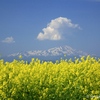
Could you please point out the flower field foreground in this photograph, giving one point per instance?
(64, 80)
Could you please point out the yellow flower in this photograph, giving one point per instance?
(44, 95)
(4, 83)
(20, 56)
(64, 55)
(10, 99)
(84, 99)
(40, 98)
(59, 94)
(47, 76)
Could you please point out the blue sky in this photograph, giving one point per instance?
(42, 24)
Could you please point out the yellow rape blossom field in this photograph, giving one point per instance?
(64, 80)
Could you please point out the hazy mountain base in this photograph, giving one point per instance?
(42, 58)
(51, 54)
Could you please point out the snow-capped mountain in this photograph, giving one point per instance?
(56, 51)
(51, 54)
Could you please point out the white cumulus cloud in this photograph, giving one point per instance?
(56, 28)
(8, 40)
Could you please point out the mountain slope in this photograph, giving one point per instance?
(51, 54)
(56, 51)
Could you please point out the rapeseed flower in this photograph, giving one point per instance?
(20, 57)
(46, 80)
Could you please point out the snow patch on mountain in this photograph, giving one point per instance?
(56, 51)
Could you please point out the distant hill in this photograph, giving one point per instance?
(52, 54)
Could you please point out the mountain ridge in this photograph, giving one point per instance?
(51, 54)
(56, 51)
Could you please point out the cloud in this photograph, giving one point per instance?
(8, 40)
(56, 28)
